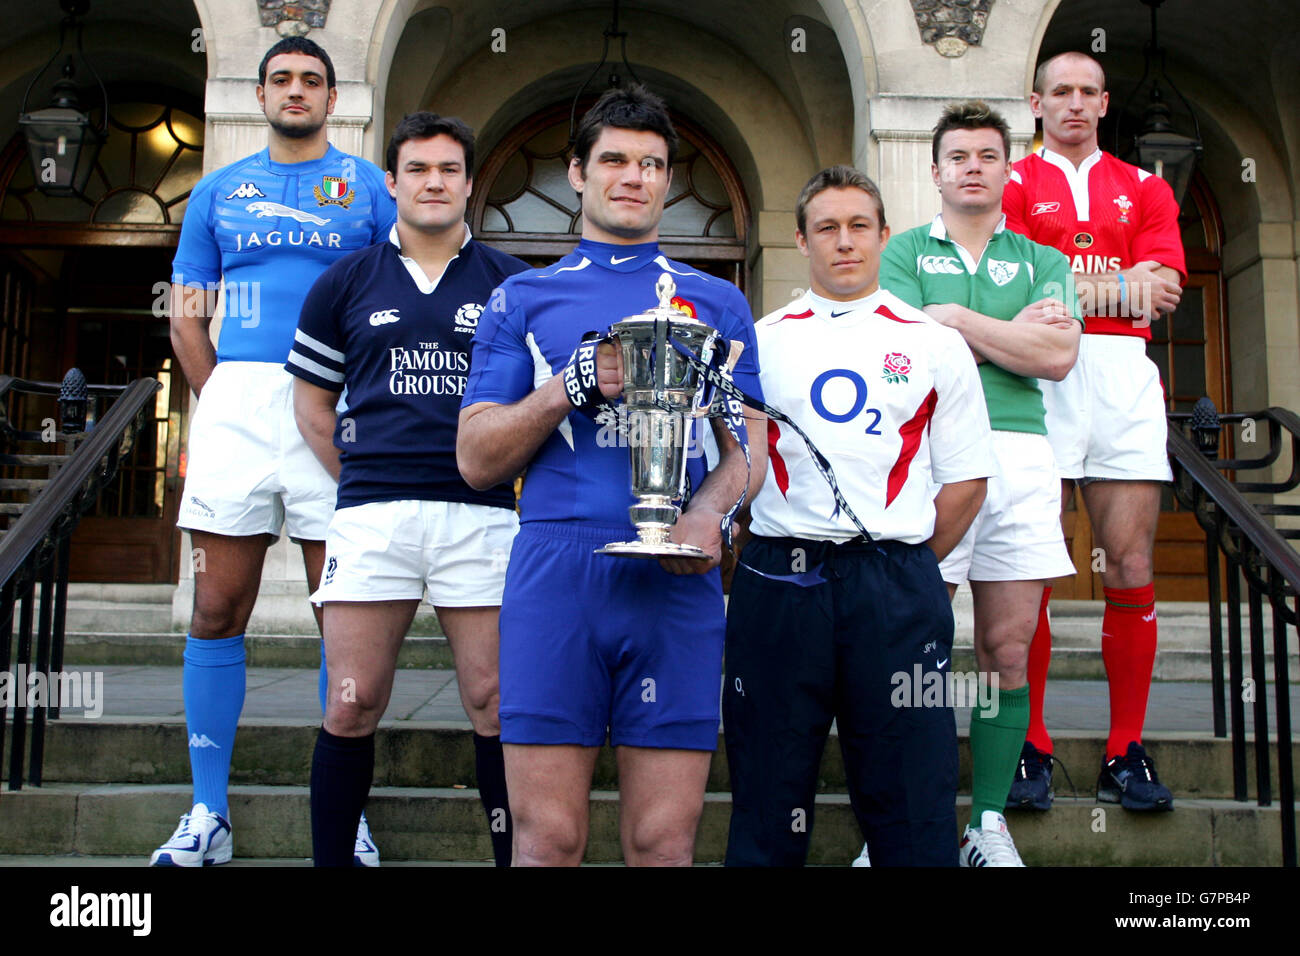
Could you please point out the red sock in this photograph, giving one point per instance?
(1040, 656)
(1128, 648)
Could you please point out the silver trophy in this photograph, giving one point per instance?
(662, 395)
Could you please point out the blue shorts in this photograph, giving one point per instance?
(592, 643)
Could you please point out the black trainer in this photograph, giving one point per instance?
(1032, 787)
(1131, 782)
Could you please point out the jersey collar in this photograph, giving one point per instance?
(835, 311)
(307, 167)
(422, 281)
(1076, 178)
(616, 257)
(939, 231)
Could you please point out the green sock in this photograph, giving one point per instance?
(997, 734)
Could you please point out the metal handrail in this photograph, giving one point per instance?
(37, 546)
(1258, 553)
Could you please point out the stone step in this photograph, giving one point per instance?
(449, 824)
(273, 752)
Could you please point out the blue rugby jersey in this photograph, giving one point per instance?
(403, 354)
(269, 230)
(532, 327)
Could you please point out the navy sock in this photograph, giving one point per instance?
(490, 771)
(323, 684)
(341, 771)
(213, 679)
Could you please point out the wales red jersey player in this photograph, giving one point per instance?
(1118, 225)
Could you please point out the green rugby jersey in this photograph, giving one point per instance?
(924, 267)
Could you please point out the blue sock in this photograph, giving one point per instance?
(323, 685)
(213, 682)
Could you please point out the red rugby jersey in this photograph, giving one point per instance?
(1105, 216)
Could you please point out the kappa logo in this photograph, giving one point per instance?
(939, 265)
(467, 317)
(384, 317)
(264, 210)
(1003, 272)
(1043, 208)
(203, 740)
(247, 191)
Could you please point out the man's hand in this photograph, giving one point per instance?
(609, 370)
(702, 528)
(1046, 312)
(1150, 292)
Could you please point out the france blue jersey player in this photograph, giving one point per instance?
(263, 228)
(594, 645)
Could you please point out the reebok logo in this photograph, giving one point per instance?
(1043, 208)
(247, 191)
(203, 740)
(384, 317)
(939, 265)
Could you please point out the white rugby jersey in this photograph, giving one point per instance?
(893, 400)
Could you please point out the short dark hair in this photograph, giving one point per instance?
(426, 125)
(972, 114)
(1040, 74)
(298, 45)
(836, 177)
(631, 107)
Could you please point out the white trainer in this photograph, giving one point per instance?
(863, 859)
(202, 839)
(365, 853)
(990, 845)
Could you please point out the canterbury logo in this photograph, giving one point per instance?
(939, 265)
(264, 210)
(384, 317)
(203, 740)
(247, 191)
(1042, 208)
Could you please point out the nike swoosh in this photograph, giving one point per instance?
(941, 663)
(836, 315)
(616, 261)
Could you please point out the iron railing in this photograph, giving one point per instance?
(1237, 532)
(36, 548)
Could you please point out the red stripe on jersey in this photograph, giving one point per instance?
(791, 315)
(778, 463)
(911, 434)
(883, 310)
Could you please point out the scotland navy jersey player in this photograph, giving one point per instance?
(392, 324)
(591, 644)
(262, 229)
(893, 400)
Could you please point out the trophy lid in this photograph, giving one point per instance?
(665, 289)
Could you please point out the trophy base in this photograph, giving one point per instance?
(640, 549)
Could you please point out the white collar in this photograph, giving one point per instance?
(422, 281)
(1077, 178)
(940, 231)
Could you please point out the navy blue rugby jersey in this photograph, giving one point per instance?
(575, 475)
(269, 230)
(402, 352)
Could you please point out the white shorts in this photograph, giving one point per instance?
(1107, 418)
(398, 550)
(249, 470)
(1017, 534)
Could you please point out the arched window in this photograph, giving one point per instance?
(523, 203)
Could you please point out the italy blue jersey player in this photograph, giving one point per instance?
(260, 230)
(591, 644)
(392, 324)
